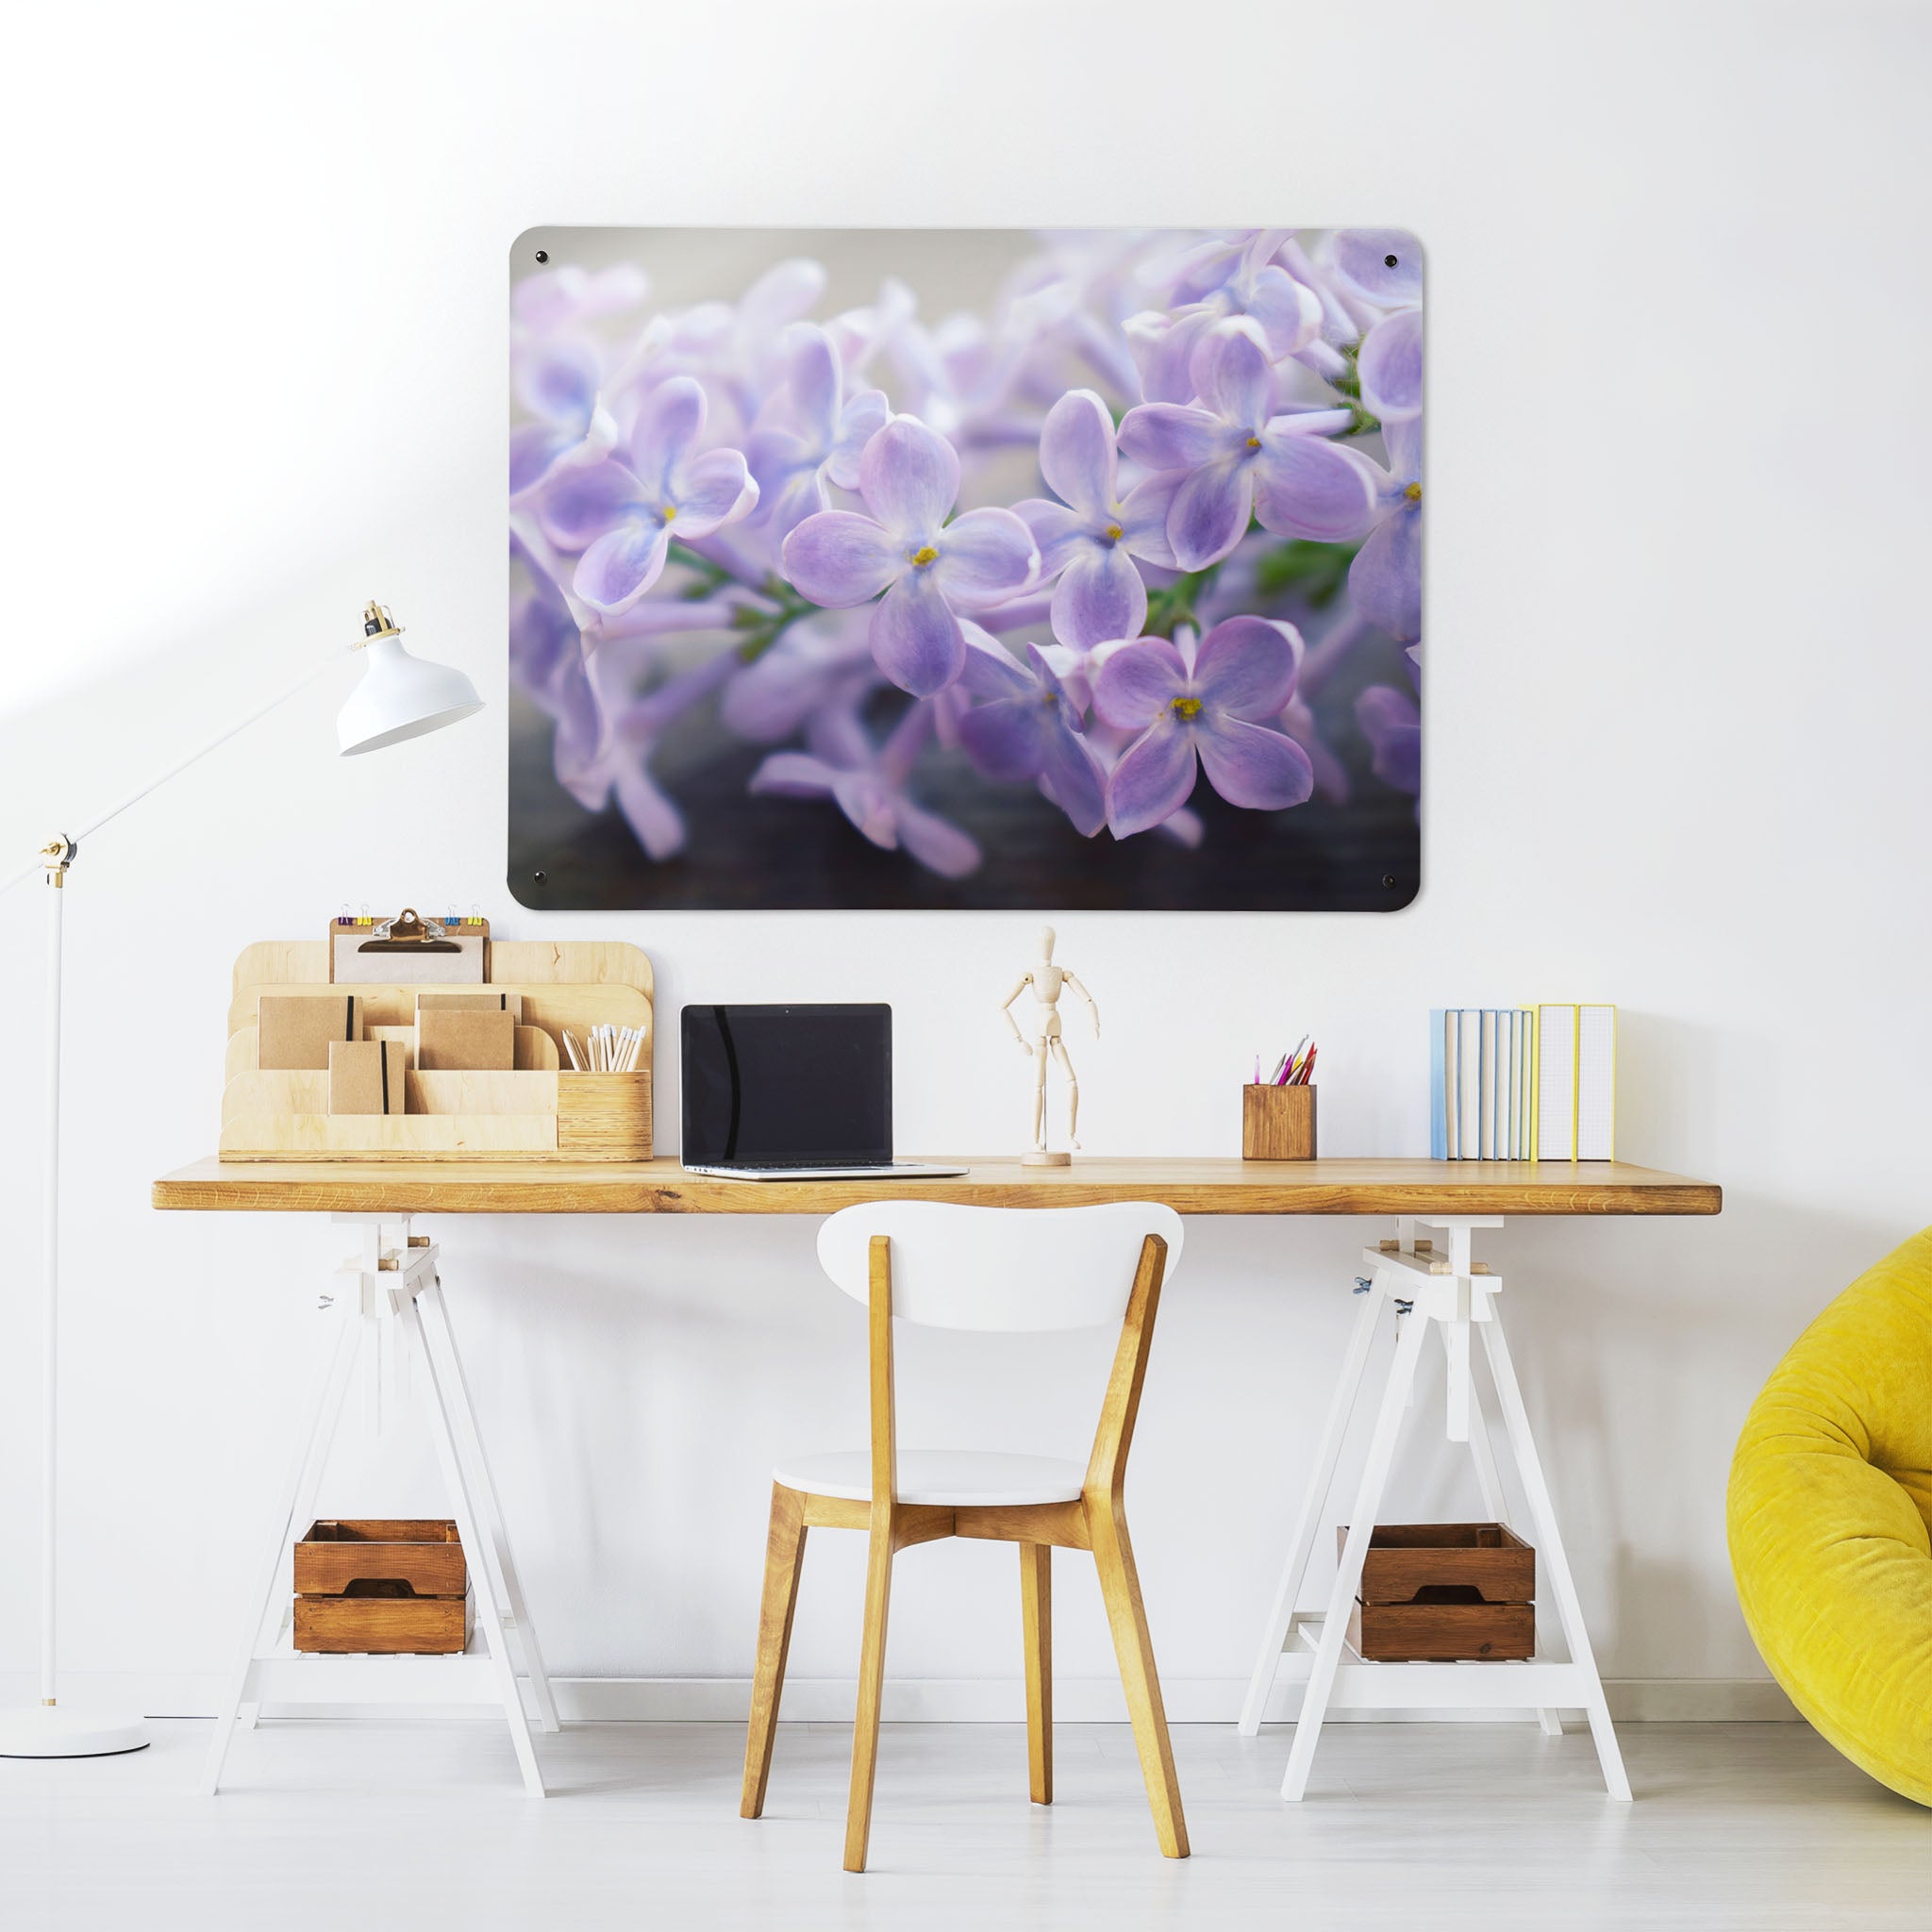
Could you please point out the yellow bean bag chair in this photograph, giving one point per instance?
(1831, 1493)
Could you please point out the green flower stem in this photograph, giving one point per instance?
(1176, 604)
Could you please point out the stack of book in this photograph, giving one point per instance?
(1522, 1083)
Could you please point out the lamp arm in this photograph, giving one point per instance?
(52, 864)
(175, 771)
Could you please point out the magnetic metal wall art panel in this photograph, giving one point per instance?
(926, 569)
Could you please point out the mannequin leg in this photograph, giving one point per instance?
(1059, 1053)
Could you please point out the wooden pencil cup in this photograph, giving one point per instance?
(1277, 1122)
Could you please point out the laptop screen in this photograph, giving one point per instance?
(788, 1086)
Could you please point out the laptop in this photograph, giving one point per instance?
(791, 1093)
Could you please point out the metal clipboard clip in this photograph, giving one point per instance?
(408, 933)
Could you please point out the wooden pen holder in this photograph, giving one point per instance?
(1277, 1122)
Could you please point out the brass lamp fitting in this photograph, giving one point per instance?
(378, 622)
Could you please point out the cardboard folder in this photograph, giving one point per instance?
(366, 1076)
(294, 1029)
(450, 1039)
(484, 999)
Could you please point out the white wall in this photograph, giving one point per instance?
(1677, 752)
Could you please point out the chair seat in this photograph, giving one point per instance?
(950, 1479)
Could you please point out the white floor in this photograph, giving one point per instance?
(348, 1826)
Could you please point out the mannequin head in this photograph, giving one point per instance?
(1046, 943)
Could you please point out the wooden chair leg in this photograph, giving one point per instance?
(1035, 1617)
(784, 1554)
(872, 1681)
(1119, 1587)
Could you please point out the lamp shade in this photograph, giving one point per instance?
(400, 697)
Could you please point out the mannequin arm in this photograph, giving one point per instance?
(1006, 1008)
(1092, 1004)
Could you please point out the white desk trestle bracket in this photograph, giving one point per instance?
(391, 1300)
(1425, 1289)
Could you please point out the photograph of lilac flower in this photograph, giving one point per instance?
(983, 569)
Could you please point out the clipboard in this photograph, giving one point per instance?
(408, 947)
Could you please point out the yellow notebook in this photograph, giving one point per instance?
(1575, 1082)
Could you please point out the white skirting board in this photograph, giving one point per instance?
(932, 1700)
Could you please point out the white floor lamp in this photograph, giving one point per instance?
(399, 697)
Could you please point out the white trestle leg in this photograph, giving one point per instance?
(390, 1307)
(440, 1340)
(1442, 1289)
(1490, 1482)
(1549, 1540)
(1308, 1524)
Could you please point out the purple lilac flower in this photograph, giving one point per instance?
(1073, 299)
(738, 347)
(1241, 458)
(950, 377)
(815, 439)
(563, 296)
(664, 484)
(1288, 314)
(1089, 538)
(1390, 363)
(619, 765)
(818, 661)
(557, 380)
(1384, 264)
(1182, 827)
(869, 786)
(1392, 726)
(1208, 701)
(546, 658)
(1031, 729)
(908, 477)
(1385, 581)
(1331, 776)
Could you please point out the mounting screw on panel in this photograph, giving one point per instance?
(1389, 881)
(543, 255)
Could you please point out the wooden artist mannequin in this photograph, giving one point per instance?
(1046, 979)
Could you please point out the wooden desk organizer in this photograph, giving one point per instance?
(538, 1112)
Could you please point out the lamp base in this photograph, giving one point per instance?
(50, 1730)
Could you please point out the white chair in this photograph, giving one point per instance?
(1012, 1271)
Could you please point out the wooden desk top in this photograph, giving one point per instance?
(1191, 1187)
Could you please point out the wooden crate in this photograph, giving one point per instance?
(539, 1111)
(1442, 1592)
(385, 1585)
(1442, 1632)
(1406, 1557)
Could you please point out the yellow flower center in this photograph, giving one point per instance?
(925, 555)
(669, 513)
(1114, 533)
(1047, 698)
(1253, 443)
(1414, 492)
(1187, 708)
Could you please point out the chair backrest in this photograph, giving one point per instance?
(1008, 1269)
